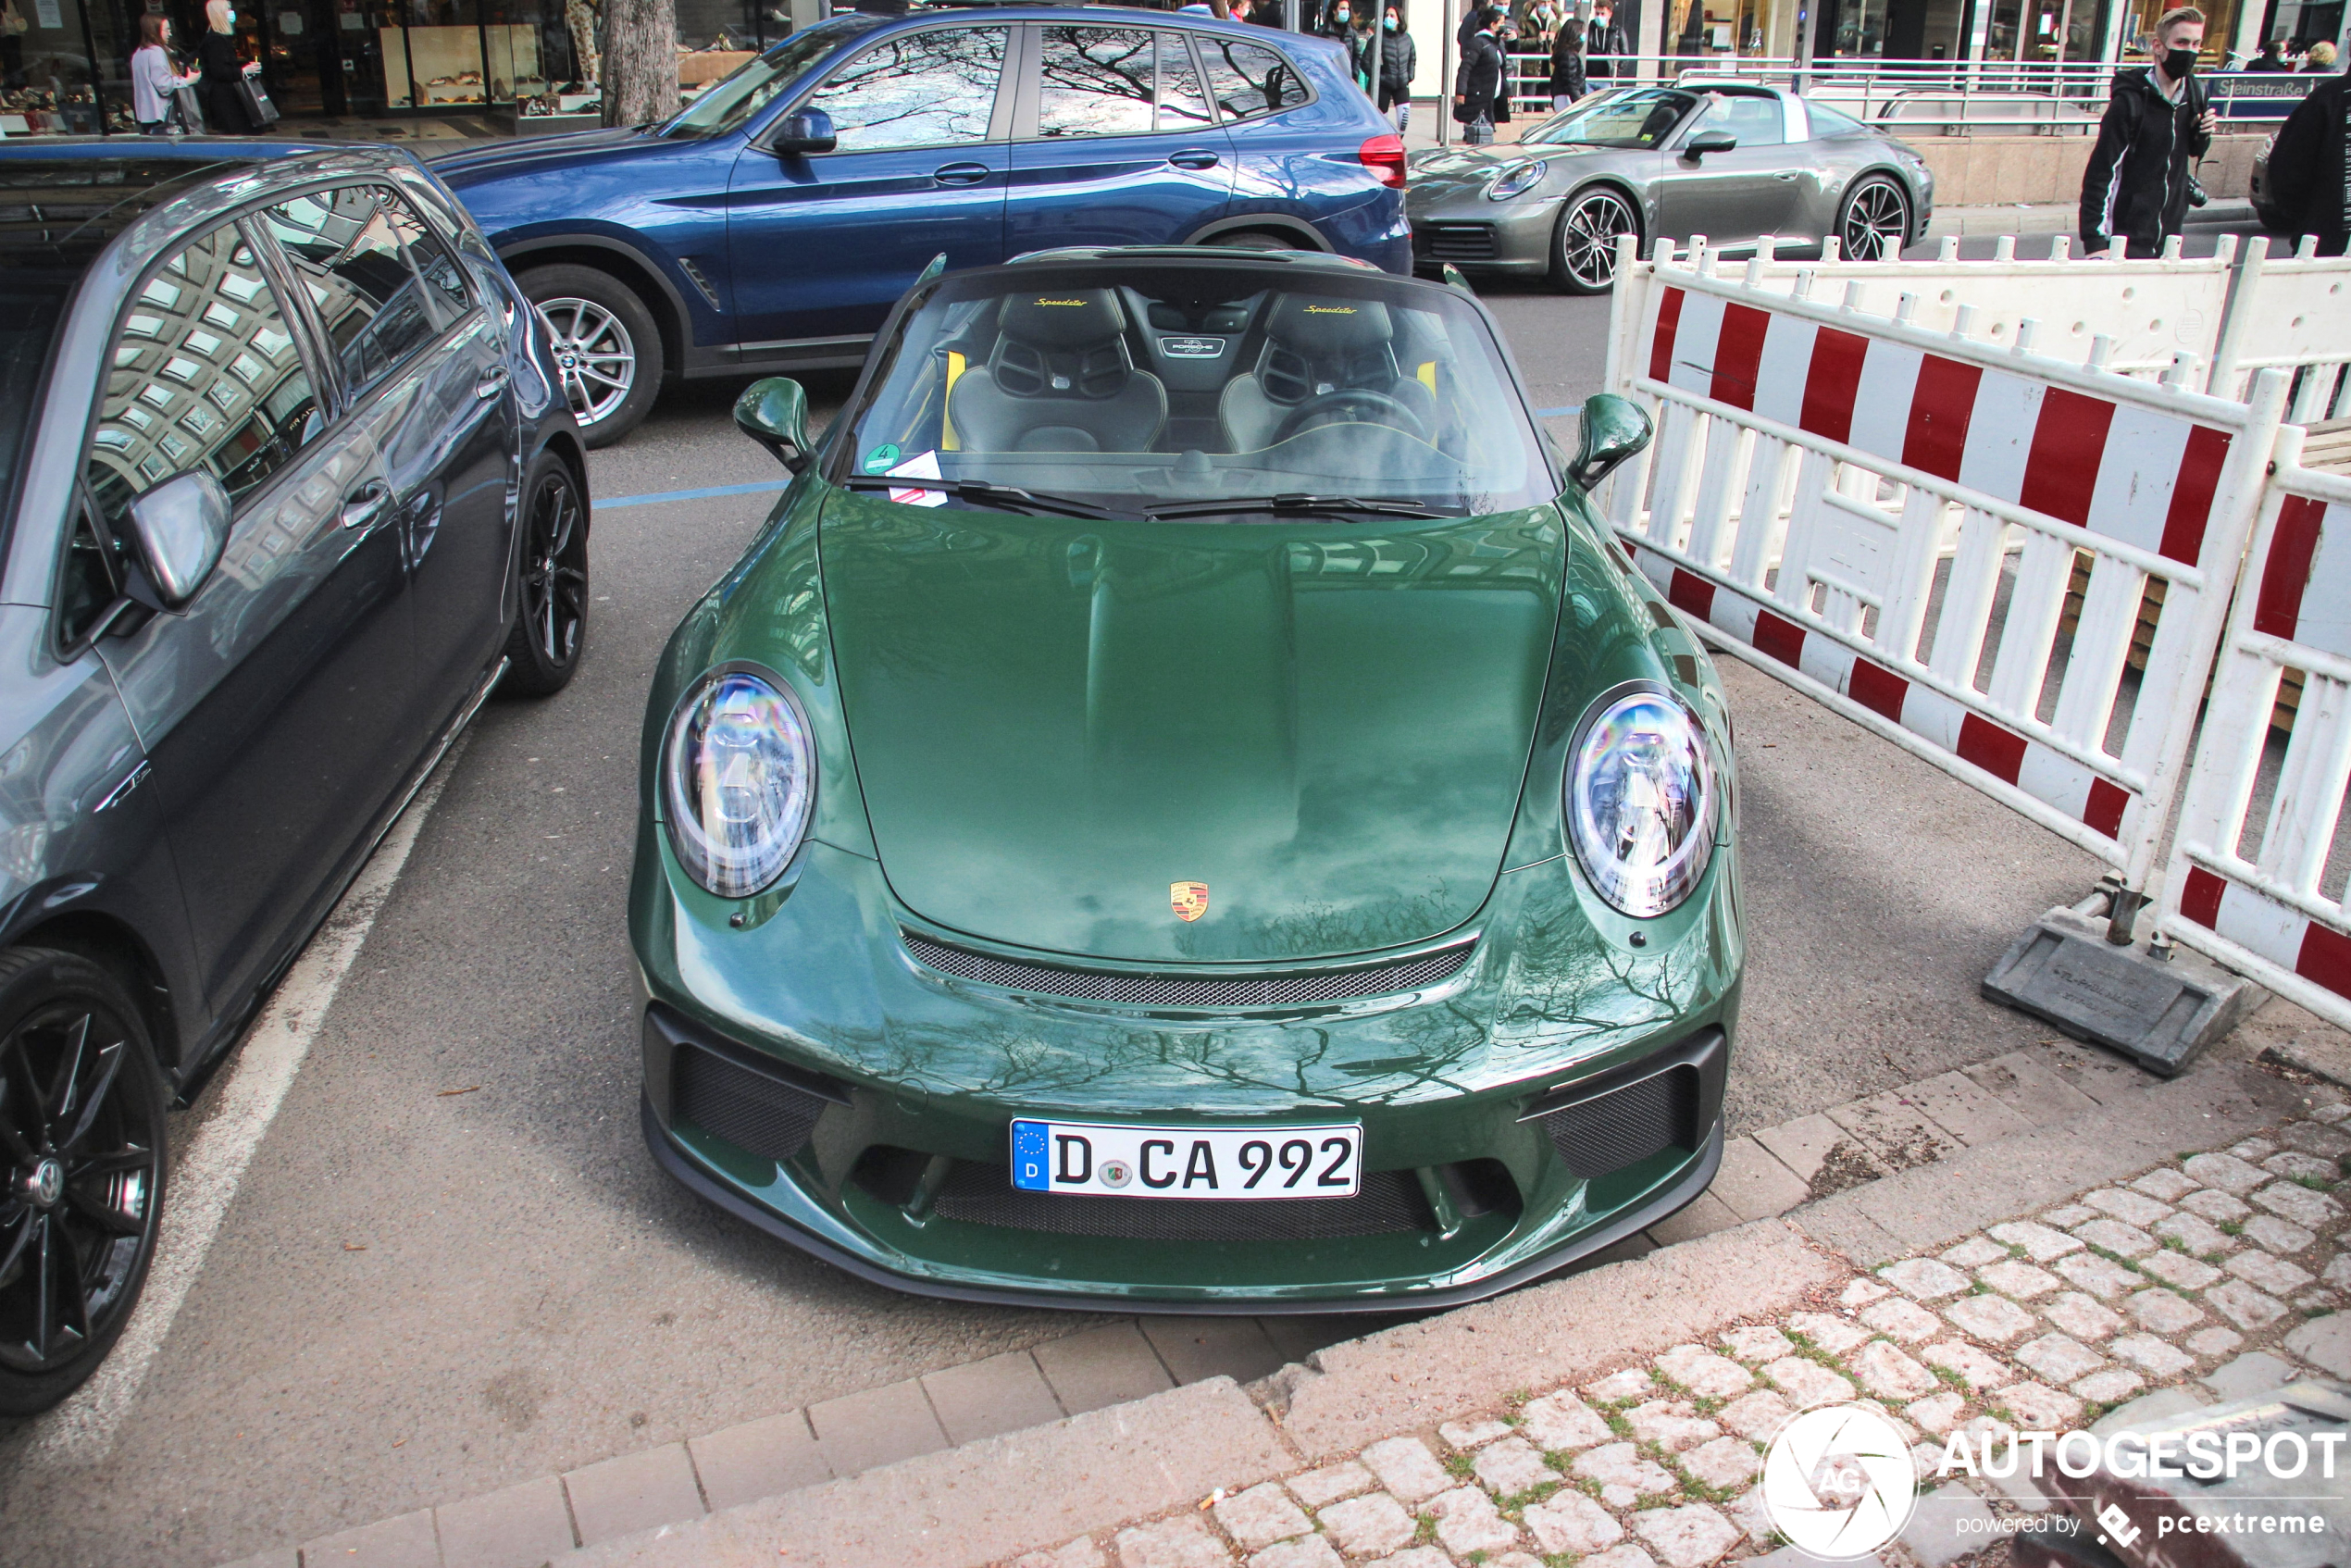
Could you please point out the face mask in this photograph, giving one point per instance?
(2178, 63)
(1389, 24)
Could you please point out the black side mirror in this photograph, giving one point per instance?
(1707, 142)
(178, 531)
(810, 130)
(775, 414)
(1613, 429)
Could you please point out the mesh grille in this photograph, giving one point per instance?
(1456, 242)
(1597, 1137)
(1390, 1201)
(1169, 990)
(749, 1110)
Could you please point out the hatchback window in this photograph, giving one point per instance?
(1756, 122)
(1627, 117)
(1095, 82)
(205, 375)
(1248, 80)
(1183, 101)
(1149, 388)
(444, 280)
(345, 246)
(922, 90)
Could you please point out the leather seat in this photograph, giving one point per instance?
(1316, 345)
(1059, 378)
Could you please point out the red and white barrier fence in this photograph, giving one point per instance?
(2267, 914)
(1889, 518)
(2289, 313)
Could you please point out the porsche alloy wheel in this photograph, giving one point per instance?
(81, 1145)
(1584, 253)
(1877, 221)
(550, 624)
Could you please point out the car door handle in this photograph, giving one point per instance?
(492, 382)
(1785, 174)
(365, 504)
(1193, 157)
(960, 173)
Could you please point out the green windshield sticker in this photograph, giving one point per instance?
(881, 457)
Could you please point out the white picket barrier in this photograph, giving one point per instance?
(1814, 469)
(2268, 915)
(2230, 317)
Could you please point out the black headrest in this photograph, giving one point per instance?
(1062, 318)
(1321, 327)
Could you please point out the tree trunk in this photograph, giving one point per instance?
(640, 61)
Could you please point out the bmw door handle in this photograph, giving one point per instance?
(492, 382)
(1193, 157)
(366, 504)
(959, 173)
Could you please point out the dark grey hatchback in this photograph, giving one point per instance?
(287, 492)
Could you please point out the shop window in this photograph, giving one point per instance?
(1095, 82)
(923, 90)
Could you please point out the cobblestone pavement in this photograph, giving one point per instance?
(2207, 1279)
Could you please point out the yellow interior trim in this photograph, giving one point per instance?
(1427, 374)
(946, 441)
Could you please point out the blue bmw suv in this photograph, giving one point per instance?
(773, 223)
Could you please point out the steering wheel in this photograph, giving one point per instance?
(1374, 407)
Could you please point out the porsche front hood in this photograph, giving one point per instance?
(1057, 720)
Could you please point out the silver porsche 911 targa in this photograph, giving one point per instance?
(1730, 160)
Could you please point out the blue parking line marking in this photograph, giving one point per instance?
(655, 498)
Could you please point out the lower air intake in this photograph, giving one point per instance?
(749, 1109)
(1601, 1136)
(1389, 1202)
(1187, 990)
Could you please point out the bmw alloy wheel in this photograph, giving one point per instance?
(1587, 236)
(594, 354)
(1877, 221)
(555, 582)
(80, 1148)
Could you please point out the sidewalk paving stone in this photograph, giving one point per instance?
(1561, 1423)
(1674, 1425)
(520, 1526)
(2272, 1233)
(1468, 1521)
(1974, 1367)
(1937, 1414)
(1512, 1466)
(1406, 1468)
(1756, 1416)
(2198, 1235)
(1975, 1253)
(2108, 1387)
(2256, 1372)
(2314, 1211)
(2214, 1341)
(2157, 1358)
(1887, 1372)
(756, 1459)
(1703, 1372)
(1180, 1542)
(2163, 1311)
(1623, 1473)
(2132, 1208)
(1103, 1366)
(1724, 1464)
(1753, 1182)
(2266, 1273)
(2179, 1270)
(1368, 1526)
(1807, 1383)
(2030, 1087)
(1900, 1318)
(2244, 1306)
(878, 1426)
(2026, 1281)
(1948, 1523)
(2041, 1243)
(1002, 1393)
(2164, 1185)
(1897, 1129)
(1261, 1517)
(407, 1541)
(636, 1491)
(1925, 1278)
(2081, 1316)
(2039, 1406)
(2226, 1172)
(1995, 1320)
(2112, 1236)
(1195, 1347)
(1687, 1537)
(1758, 1343)
(1819, 1154)
(2325, 1343)
(2293, 1163)
(2102, 1278)
(1319, 1489)
(1574, 1522)
(1311, 1552)
(2220, 1208)
(1832, 1336)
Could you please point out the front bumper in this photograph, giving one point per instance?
(1511, 238)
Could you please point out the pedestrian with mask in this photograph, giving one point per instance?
(1567, 67)
(2156, 126)
(1480, 83)
(224, 73)
(2310, 166)
(1398, 63)
(2270, 58)
(1604, 44)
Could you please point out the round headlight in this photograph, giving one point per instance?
(1518, 181)
(739, 781)
(1640, 801)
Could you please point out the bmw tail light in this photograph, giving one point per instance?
(1384, 156)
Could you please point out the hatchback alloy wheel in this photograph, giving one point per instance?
(81, 1141)
(1585, 262)
(1877, 221)
(594, 354)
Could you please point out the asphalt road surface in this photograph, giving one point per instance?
(449, 1264)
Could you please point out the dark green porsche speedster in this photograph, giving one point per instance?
(1183, 805)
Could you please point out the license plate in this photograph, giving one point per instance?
(1130, 1161)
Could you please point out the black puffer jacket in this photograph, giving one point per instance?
(2310, 166)
(2136, 185)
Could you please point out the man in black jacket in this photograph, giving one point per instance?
(2135, 188)
(1604, 40)
(2310, 166)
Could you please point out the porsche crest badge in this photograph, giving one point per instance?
(1189, 900)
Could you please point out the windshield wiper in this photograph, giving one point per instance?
(1294, 502)
(1003, 496)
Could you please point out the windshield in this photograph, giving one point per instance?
(1629, 117)
(727, 104)
(1154, 388)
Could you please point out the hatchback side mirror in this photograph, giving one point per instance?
(775, 414)
(178, 531)
(1613, 429)
(1707, 142)
(810, 130)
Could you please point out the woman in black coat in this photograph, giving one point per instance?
(224, 105)
(1567, 66)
